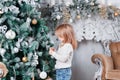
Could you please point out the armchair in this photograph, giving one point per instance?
(109, 66)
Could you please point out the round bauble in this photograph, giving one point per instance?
(16, 50)
(10, 34)
(2, 51)
(43, 75)
(58, 17)
(67, 3)
(78, 16)
(70, 20)
(89, 15)
(34, 21)
(24, 59)
(116, 14)
(92, 4)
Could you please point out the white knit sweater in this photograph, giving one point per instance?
(63, 56)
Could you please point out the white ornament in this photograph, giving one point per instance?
(92, 3)
(58, 17)
(16, 50)
(87, 1)
(10, 34)
(100, 6)
(67, 3)
(12, 78)
(43, 75)
(70, 20)
(109, 4)
(89, 15)
(78, 7)
(52, 2)
(2, 52)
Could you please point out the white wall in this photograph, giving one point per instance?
(83, 68)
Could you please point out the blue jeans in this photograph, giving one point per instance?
(63, 74)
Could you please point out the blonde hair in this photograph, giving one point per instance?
(66, 31)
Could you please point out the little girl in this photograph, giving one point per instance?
(64, 54)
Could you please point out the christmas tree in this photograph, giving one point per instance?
(24, 41)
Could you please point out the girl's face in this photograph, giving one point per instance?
(61, 38)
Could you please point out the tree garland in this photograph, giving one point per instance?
(80, 9)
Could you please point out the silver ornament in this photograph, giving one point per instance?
(10, 34)
(43, 75)
(2, 52)
(16, 50)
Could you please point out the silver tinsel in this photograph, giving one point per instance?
(34, 61)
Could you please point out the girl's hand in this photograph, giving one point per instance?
(51, 50)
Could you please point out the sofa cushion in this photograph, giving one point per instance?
(115, 53)
(113, 74)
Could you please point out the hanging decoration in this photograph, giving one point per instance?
(10, 34)
(24, 59)
(2, 52)
(3, 70)
(71, 11)
(34, 21)
(43, 75)
(35, 59)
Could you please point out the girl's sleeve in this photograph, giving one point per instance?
(64, 55)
